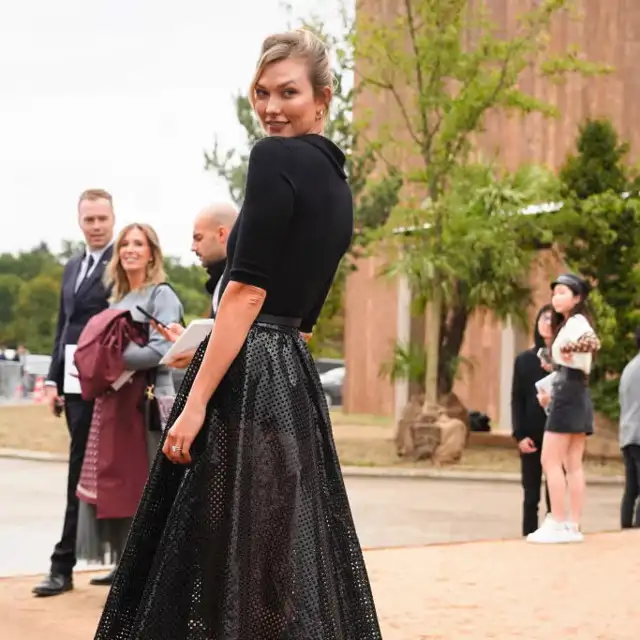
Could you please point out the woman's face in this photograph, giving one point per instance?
(285, 102)
(563, 299)
(544, 325)
(134, 252)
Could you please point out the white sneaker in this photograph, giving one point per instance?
(574, 532)
(551, 532)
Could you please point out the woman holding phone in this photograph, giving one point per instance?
(136, 278)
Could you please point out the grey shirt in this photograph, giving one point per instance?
(629, 391)
(165, 306)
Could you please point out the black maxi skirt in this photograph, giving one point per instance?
(255, 539)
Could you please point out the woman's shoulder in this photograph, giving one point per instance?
(577, 322)
(526, 357)
(271, 147)
(163, 293)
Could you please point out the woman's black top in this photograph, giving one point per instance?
(294, 226)
(527, 416)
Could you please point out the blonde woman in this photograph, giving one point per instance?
(244, 531)
(136, 277)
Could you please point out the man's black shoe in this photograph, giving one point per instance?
(53, 585)
(103, 581)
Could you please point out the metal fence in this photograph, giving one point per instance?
(10, 381)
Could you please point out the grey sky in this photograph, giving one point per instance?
(124, 95)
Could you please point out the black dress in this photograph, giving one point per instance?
(255, 540)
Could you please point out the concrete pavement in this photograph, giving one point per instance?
(387, 511)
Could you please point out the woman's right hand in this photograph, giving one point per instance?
(171, 332)
(526, 445)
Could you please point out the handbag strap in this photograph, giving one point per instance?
(155, 291)
(152, 373)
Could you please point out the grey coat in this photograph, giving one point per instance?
(165, 306)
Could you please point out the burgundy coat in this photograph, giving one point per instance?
(116, 464)
(99, 354)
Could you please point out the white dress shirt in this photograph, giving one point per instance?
(85, 272)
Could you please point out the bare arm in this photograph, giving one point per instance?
(239, 307)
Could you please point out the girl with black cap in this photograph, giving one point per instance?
(570, 411)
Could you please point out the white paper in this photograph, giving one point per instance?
(71, 382)
(545, 384)
(193, 335)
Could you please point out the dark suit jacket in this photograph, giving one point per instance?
(76, 308)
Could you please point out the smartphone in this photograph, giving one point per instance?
(145, 313)
(58, 408)
(545, 356)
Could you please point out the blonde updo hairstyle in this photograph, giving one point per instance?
(303, 45)
(115, 276)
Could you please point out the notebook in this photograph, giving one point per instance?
(193, 335)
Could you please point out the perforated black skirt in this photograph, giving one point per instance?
(255, 540)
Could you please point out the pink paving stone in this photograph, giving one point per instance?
(501, 589)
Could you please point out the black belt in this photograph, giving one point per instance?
(282, 321)
(569, 373)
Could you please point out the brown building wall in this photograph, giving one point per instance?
(607, 32)
(369, 336)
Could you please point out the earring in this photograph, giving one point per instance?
(319, 115)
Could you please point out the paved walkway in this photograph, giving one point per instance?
(387, 511)
(478, 591)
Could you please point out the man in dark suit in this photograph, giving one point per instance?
(82, 296)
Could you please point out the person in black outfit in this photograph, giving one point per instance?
(81, 297)
(211, 230)
(244, 530)
(529, 418)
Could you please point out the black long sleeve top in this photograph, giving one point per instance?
(527, 416)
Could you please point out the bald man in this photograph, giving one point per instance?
(211, 230)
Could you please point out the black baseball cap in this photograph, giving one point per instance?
(578, 285)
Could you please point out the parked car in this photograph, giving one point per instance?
(332, 382)
(326, 364)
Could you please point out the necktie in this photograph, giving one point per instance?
(90, 263)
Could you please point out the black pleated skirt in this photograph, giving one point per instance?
(255, 540)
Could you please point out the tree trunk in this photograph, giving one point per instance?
(450, 345)
(434, 315)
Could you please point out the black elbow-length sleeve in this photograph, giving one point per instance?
(266, 215)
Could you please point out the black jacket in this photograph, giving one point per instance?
(76, 308)
(215, 271)
(528, 418)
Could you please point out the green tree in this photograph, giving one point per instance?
(36, 313)
(9, 291)
(374, 196)
(598, 232)
(189, 283)
(489, 246)
(445, 64)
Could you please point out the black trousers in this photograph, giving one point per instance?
(78, 413)
(630, 508)
(531, 470)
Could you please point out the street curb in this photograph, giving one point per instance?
(363, 472)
